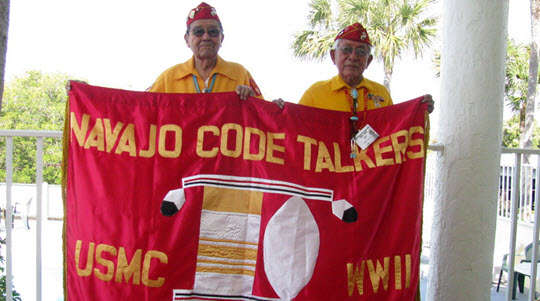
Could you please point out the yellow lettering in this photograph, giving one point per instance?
(89, 258)
(95, 138)
(379, 151)
(111, 135)
(417, 141)
(407, 270)
(271, 147)
(200, 141)
(127, 141)
(79, 130)
(397, 271)
(361, 156)
(380, 273)
(162, 257)
(308, 142)
(108, 264)
(177, 131)
(234, 153)
(151, 151)
(355, 276)
(337, 160)
(323, 159)
(247, 144)
(125, 270)
(400, 147)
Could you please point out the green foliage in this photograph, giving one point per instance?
(511, 133)
(35, 101)
(517, 76)
(515, 90)
(3, 290)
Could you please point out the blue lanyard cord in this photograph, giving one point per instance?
(206, 90)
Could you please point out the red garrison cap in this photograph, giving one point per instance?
(355, 32)
(202, 11)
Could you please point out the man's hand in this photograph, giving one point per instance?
(68, 83)
(244, 91)
(279, 102)
(429, 100)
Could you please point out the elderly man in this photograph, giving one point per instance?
(350, 91)
(206, 71)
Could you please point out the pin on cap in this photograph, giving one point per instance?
(202, 11)
(354, 32)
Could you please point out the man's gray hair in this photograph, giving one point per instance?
(336, 44)
(188, 28)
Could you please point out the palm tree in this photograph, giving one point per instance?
(394, 26)
(517, 89)
(525, 140)
(4, 21)
(517, 75)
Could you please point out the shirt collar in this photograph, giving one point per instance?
(337, 83)
(188, 68)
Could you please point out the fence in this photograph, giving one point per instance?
(9, 208)
(517, 193)
(526, 204)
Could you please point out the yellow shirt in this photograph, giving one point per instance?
(333, 94)
(179, 78)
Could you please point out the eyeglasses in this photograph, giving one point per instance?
(212, 32)
(358, 51)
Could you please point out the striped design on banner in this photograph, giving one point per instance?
(190, 295)
(226, 257)
(222, 199)
(258, 184)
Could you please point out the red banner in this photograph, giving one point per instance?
(207, 197)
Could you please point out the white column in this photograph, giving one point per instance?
(472, 76)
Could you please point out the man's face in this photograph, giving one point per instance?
(351, 59)
(204, 38)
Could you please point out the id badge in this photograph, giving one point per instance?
(365, 137)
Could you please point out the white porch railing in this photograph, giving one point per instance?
(518, 190)
(526, 205)
(40, 135)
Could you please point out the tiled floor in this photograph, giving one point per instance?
(495, 296)
(501, 295)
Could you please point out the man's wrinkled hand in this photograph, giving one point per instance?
(429, 100)
(68, 83)
(244, 92)
(279, 102)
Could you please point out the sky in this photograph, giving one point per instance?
(127, 44)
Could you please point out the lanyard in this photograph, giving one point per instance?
(353, 99)
(206, 90)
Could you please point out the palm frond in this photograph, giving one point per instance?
(310, 44)
(320, 14)
(517, 75)
(393, 26)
